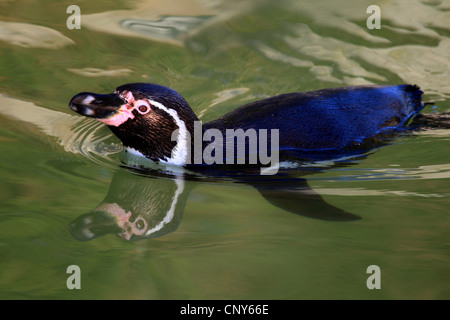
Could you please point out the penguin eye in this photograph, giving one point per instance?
(142, 106)
(140, 224)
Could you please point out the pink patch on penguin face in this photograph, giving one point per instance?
(119, 118)
(125, 112)
(127, 96)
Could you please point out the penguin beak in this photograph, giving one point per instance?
(94, 224)
(99, 106)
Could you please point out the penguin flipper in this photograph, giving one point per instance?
(297, 197)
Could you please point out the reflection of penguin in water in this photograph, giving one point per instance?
(143, 206)
(320, 125)
(135, 207)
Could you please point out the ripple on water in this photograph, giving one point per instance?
(90, 140)
(77, 135)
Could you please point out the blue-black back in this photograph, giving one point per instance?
(328, 119)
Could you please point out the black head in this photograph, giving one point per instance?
(144, 117)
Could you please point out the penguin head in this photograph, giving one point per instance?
(151, 120)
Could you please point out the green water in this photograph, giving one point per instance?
(227, 241)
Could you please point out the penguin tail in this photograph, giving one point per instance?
(413, 95)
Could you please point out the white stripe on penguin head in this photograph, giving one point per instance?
(179, 181)
(180, 151)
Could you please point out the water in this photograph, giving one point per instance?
(215, 238)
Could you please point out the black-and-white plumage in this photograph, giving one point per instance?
(157, 123)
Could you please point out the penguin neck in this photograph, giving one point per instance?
(178, 146)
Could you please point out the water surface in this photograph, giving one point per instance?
(223, 240)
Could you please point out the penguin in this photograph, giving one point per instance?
(156, 123)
